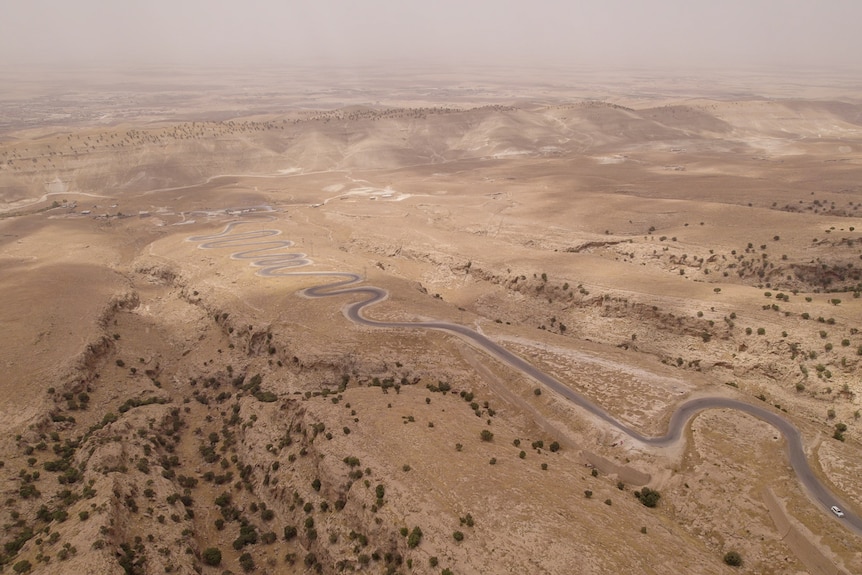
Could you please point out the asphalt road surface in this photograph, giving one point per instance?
(269, 255)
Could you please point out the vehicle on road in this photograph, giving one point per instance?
(837, 511)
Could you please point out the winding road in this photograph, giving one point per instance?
(265, 251)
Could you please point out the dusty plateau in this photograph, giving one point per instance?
(643, 243)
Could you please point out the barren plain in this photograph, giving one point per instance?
(167, 408)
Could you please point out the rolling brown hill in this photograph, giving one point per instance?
(161, 400)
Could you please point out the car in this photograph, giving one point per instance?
(837, 511)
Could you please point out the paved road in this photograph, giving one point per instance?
(268, 254)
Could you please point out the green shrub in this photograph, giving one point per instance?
(733, 558)
(648, 497)
(266, 396)
(246, 561)
(415, 538)
(247, 536)
(211, 556)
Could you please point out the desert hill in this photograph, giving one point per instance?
(167, 409)
(125, 158)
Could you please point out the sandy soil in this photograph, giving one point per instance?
(642, 247)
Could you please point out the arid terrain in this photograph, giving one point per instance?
(168, 408)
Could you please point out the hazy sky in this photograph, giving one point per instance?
(616, 33)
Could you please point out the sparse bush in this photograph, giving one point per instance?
(247, 536)
(840, 428)
(415, 538)
(733, 558)
(648, 497)
(458, 536)
(246, 561)
(211, 556)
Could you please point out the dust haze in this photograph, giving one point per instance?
(676, 34)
